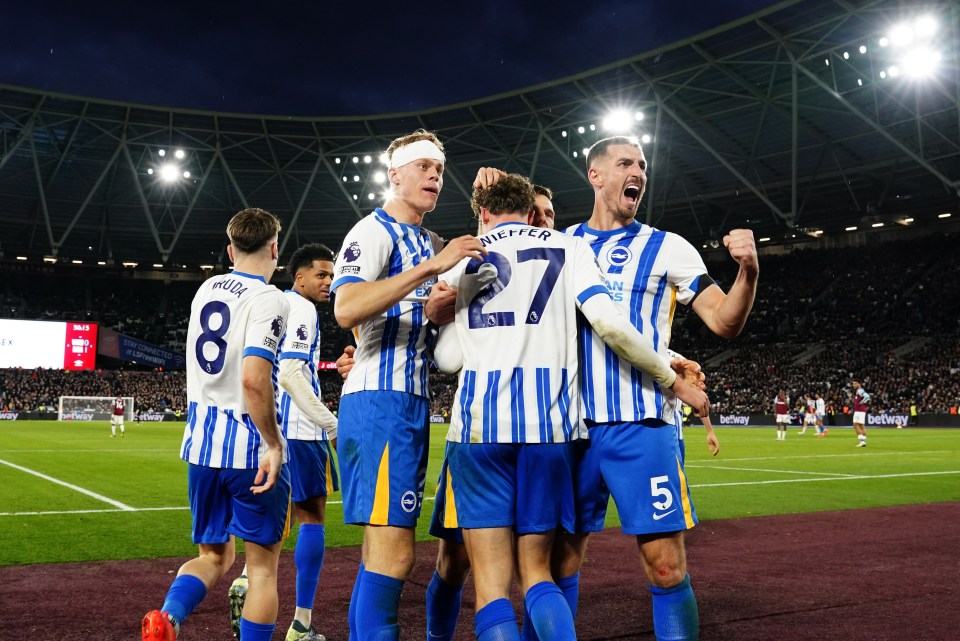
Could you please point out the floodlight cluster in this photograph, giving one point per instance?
(361, 177)
(616, 122)
(911, 41)
(169, 171)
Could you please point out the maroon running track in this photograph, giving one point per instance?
(880, 574)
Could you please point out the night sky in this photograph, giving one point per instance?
(331, 58)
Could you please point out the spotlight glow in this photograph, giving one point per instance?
(580, 130)
(186, 174)
(850, 229)
(638, 115)
(863, 49)
(593, 127)
(383, 158)
(370, 196)
(618, 121)
(921, 62)
(379, 177)
(893, 71)
(645, 138)
(944, 215)
(169, 172)
(901, 35)
(884, 41)
(563, 133)
(162, 152)
(356, 178)
(150, 171)
(336, 160)
(846, 55)
(925, 26)
(179, 154)
(586, 151)
(877, 225)
(367, 159)
(355, 159)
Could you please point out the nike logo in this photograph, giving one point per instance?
(657, 517)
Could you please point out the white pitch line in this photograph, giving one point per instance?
(758, 469)
(99, 497)
(832, 478)
(96, 451)
(818, 456)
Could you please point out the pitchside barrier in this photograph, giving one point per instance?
(838, 420)
(144, 417)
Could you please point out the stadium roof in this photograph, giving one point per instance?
(788, 121)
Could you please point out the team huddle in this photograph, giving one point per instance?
(567, 395)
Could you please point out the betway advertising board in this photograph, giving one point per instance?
(47, 344)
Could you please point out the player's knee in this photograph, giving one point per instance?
(223, 559)
(665, 574)
(453, 564)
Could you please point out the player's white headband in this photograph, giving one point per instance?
(414, 151)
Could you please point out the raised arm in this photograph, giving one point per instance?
(726, 314)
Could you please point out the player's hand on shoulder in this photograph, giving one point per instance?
(689, 371)
(458, 249)
(440, 307)
(742, 248)
(487, 177)
(345, 362)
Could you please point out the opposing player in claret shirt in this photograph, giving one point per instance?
(237, 482)
(861, 404)
(516, 409)
(117, 418)
(781, 412)
(381, 279)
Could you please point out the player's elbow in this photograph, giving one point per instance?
(345, 310)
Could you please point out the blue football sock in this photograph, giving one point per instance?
(378, 604)
(496, 621)
(570, 586)
(675, 616)
(250, 631)
(549, 613)
(185, 593)
(527, 631)
(352, 610)
(443, 609)
(308, 557)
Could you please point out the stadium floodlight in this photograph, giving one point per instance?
(50, 259)
(179, 153)
(765, 239)
(186, 174)
(921, 62)
(367, 159)
(354, 196)
(925, 26)
(206, 267)
(355, 159)
(150, 171)
(101, 262)
(370, 196)
(908, 220)
(344, 178)
(586, 151)
(158, 265)
(859, 82)
(593, 127)
(383, 158)
(846, 55)
(893, 71)
(580, 130)
(130, 264)
(826, 61)
(162, 153)
(883, 74)
(638, 115)
(617, 121)
(645, 138)
(169, 172)
(863, 49)
(877, 225)
(76, 261)
(356, 178)
(575, 154)
(563, 133)
(336, 160)
(945, 214)
(901, 35)
(379, 177)
(21, 257)
(884, 41)
(850, 229)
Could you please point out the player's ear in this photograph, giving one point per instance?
(230, 253)
(593, 176)
(531, 214)
(392, 176)
(275, 250)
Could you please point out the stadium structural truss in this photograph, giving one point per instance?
(787, 121)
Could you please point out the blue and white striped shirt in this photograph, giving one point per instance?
(647, 272)
(391, 348)
(518, 334)
(233, 316)
(301, 341)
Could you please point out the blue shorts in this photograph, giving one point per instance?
(641, 466)
(382, 444)
(313, 472)
(442, 524)
(222, 504)
(526, 486)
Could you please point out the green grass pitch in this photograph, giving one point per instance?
(69, 492)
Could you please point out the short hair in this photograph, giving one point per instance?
(540, 190)
(419, 134)
(306, 255)
(252, 229)
(599, 148)
(513, 193)
(856, 380)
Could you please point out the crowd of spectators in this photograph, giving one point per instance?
(39, 390)
(888, 314)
